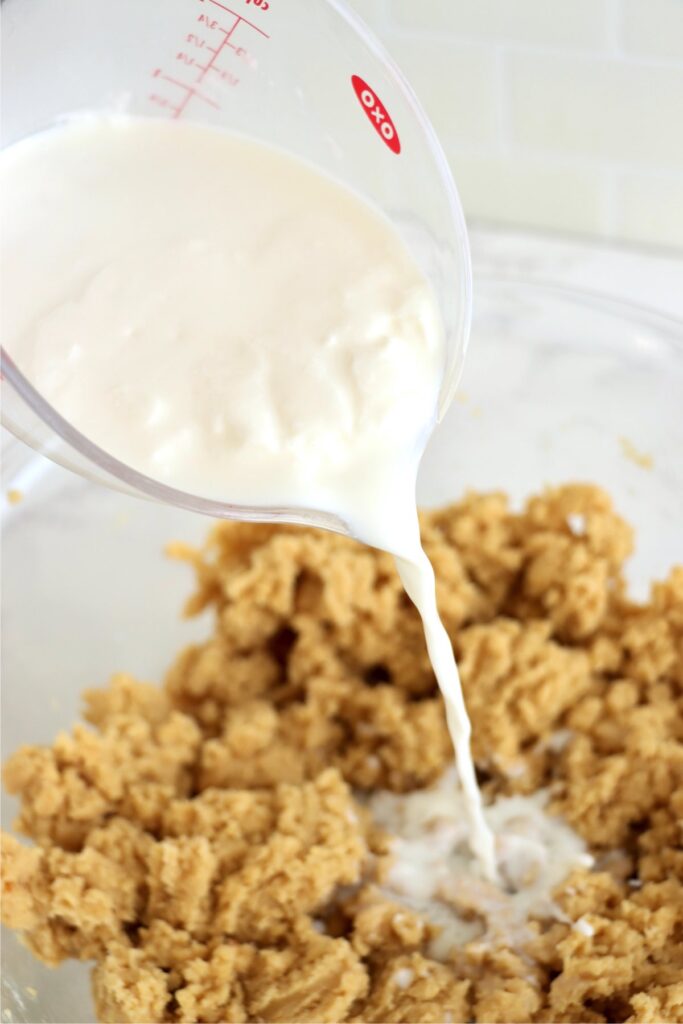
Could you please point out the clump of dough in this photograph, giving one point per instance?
(203, 843)
(223, 892)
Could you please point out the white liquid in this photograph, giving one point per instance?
(433, 874)
(229, 321)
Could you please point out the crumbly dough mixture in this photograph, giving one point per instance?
(201, 842)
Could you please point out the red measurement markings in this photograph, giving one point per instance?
(216, 51)
(190, 93)
(198, 64)
(240, 17)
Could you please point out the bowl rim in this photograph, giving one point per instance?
(593, 299)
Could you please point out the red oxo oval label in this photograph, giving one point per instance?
(377, 113)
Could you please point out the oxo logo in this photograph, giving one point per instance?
(377, 113)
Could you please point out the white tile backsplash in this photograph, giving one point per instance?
(597, 108)
(649, 206)
(533, 192)
(445, 74)
(652, 27)
(564, 23)
(559, 114)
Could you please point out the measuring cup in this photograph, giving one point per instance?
(304, 75)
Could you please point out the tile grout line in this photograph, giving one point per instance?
(608, 202)
(613, 26)
(558, 159)
(503, 108)
(604, 54)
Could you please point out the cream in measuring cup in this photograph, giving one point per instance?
(228, 320)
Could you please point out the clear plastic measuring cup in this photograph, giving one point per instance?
(304, 75)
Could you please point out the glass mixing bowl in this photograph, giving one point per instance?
(559, 386)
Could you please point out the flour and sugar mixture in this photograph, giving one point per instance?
(279, 832)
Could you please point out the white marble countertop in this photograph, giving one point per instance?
(650, 278)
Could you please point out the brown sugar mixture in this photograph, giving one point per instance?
(208, 843)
